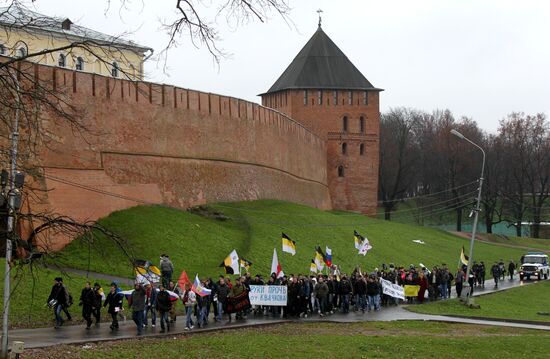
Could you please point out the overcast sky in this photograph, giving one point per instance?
(481, 59)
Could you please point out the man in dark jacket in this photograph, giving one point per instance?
(495, 271)
(87, 303)
(163, 305)
(166, 269)
(96, 307)
(345, 291)
(58, 300)
(150, 304)
(321, 294)
(361, 293)
(114, 301)
(223, 293)
(511, 269)
(137, 303)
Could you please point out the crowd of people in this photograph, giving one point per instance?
(319, 294)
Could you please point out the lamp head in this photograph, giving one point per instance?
(457, 134)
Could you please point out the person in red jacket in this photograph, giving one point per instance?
(422, 281)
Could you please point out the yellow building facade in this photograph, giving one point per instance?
(25, 33)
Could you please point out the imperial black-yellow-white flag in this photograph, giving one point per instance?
(463, 257)
(231, 263)
(289, 245)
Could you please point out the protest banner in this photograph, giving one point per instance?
(271, 295)
(393, 290)
(411, 290)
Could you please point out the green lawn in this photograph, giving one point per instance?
(31, 290)
(199, 243)
(521, 303)
(534, 243)
(325, 340)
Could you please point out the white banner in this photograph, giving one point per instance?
(393, 290)
(274, 295)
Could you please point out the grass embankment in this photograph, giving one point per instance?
(31, 290)
(521, 303)
(534, 244)
(199, 243)
(318, 340)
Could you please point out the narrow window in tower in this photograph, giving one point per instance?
(319, 97)
(362, 149)
(61, 60)
(335, 97)
(340, 171)
(286, 98)
(305, 97)
(362, 124)
(345, 124)
(350, 98)
(365, 98)
(344, 148)
(114, 69)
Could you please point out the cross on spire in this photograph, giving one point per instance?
(319, 12)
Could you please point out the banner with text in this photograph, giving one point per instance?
(274, 295)
(393, 290)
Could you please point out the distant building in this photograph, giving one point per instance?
(23, 32)
(326, 93)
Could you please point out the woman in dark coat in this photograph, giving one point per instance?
(114, 301)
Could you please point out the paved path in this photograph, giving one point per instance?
(43, 337)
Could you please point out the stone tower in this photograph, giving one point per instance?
(325, 92)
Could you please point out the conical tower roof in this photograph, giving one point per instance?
(321, 65)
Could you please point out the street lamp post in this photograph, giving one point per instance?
(477, 208)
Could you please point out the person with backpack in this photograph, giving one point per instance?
(87, 298)
(59, 300)
(163, 305)
(114, 301)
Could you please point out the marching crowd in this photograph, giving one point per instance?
(321, 294)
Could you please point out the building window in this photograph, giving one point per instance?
(350, 98)
(365, 98)
(2, 49)
(22, 52)
(362, 124)
(320, 97)
(345, 124)
(362, 149)
(61, 60)
(340, 171)
(114, 70)
(79, 63)
(335, 97)
(305, 97)
(344, 148)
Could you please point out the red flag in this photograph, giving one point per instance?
(183, 280)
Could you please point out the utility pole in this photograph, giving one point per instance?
(12, 196)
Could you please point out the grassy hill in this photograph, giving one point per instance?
(198, 242)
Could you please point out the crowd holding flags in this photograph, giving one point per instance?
(289, 245)
(231, 263)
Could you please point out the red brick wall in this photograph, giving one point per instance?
(357, 190)
(161, 144)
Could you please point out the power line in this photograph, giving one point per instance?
(428, 195)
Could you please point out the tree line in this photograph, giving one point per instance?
(421, 160)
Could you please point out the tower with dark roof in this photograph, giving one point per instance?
(323, 90)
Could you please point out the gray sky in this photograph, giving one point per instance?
(481, 59)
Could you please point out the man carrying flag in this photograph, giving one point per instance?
(231, 263)
(289, 245)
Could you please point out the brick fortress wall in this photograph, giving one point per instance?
(151, 143)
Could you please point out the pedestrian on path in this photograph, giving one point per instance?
(137, 303)
(163, 305)
(511, 269)
(59, 300)
(114, 301)
(87, 303)
(495, 271)
(99, 296)
(189, 299)
(459, 281)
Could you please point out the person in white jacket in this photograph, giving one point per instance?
(189, 299)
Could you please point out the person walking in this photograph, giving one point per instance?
(321, 293)
(150, 304)
(223, 293)
(99, 296)
(114, 303)
(189, 299)
(511, 269)
(166, 269)
(163, 305)
(495, 271)
(172, 314)
(137, 303)
(345, 292)
(87, 299)
(423, 284)
(459, 281)
(59, 301)
(361, 293)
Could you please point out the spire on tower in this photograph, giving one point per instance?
(319, 12)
